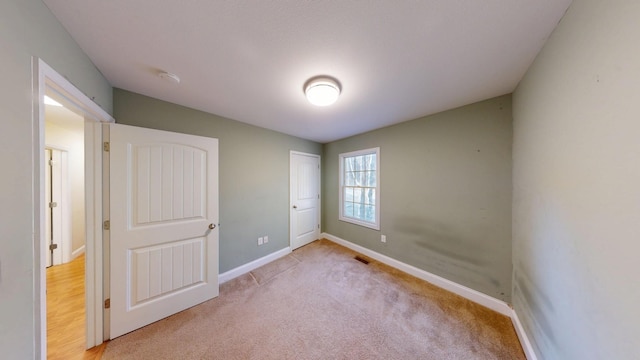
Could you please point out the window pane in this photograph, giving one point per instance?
(371, 161)
(358, 211)
(370, 178)
(370, 213)
(348, 209)
(370, 196)
(348, 194)
(348, 164)
(361, 178)
(357, 195)
(349, 178)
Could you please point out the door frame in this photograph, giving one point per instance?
(46, 79)
(291, 154)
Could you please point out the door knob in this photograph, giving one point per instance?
(295, 207)
(212, 226)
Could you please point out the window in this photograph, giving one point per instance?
(360, 187)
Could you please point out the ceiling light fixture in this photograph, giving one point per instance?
(50, 101)
(322, 91)
(169, 77)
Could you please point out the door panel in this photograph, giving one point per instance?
(164, 196)
(171, 183)
(305, 198)
(47, 202)
(58, 215)
(161, 270)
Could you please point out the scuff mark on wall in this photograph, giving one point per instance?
(539, 305)
(437, 245)
(439, 238)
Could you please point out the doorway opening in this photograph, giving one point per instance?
(47, 81)
(65, 230)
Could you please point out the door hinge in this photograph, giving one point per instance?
(53, 247)
(107, 225)
(318, 196)
(107, 304)
(53, 204)
(318, 226)
(106, 146)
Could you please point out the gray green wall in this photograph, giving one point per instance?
(576, 202)
(27, 29)
(445, 194)
(446, 181)
(254, 172)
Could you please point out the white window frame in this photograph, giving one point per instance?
(342, 217)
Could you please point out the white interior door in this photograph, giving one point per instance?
(48, 211)
(304, 198)
(57, 218)
(163, 220)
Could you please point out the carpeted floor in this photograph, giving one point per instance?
(321, 303)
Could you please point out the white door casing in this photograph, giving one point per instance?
(47, 81)
(163, 224)
(304, 198)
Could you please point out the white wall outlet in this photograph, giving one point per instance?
(383, 238)
(260, 241)
(266, 239)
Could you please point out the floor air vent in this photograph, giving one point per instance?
(362, 260)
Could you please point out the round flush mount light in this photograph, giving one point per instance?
(169, 77)
(322, 91)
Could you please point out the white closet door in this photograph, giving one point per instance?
(305, 198)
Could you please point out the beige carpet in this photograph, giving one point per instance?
(320, 303)
(269, 271)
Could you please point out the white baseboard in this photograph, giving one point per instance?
(243, 269)
(77, 252)
(468, 293)
(522, 335)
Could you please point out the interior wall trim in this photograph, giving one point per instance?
(524, 338)
(243, 269)
(77, 252)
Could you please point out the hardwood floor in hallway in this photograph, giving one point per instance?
(66, 313)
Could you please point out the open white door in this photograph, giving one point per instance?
(48, 212)
(305, 198)
(58, 222)
(163, 224)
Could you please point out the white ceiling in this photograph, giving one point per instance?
(248, 60)
(64, 118)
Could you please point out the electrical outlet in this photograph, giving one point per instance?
(266, 239)
(383, 238)
(260, 241)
